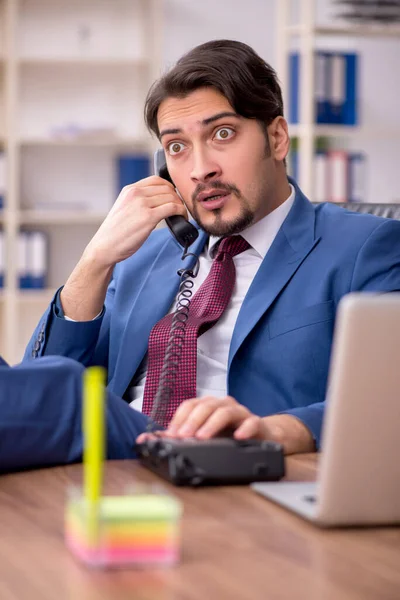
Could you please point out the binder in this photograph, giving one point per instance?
(350, 114)
(131, 168)
(337, 88)
(37, 245)
(357, 177)
(337, 175)
(321, 87)
(294, 60)
(24, 279)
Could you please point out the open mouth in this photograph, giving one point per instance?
(214, 201)
(214, 197)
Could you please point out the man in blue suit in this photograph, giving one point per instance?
(262, 368)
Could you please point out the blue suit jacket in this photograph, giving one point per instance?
(281, 344)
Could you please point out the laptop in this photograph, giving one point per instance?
(359, 473)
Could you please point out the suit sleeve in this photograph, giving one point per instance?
(83, 341)
(376, 269)
(41, 415)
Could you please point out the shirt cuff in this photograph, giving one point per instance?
(60, 313)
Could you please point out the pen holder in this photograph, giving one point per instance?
(137, 529)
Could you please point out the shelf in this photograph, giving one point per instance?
(88, 141)
(30, 296)
(65, 217)
(350, 31)
(343, 131)
(70, 61)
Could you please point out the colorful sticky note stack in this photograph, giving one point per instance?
(136, 529)
(116, 530)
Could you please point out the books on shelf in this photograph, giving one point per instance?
(32, 259)
(339, 175)
(335, 89)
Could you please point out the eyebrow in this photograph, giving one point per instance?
(221, 115)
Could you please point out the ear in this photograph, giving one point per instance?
(279, 140)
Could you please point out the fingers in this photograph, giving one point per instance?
(182, 414)
(152, 181)
(222, 418)
(168, 210)
(150, 197)
(206, 417)
(250, 428)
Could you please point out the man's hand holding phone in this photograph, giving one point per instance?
(137, 211)
(139, 208)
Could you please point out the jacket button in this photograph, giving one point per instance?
(36, 346)
(40, 337)
(34, 354)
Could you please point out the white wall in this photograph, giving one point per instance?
(191, 22)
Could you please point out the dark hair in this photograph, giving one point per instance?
(233, 68)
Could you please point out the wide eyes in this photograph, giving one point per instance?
(222, 134)
(175, 148)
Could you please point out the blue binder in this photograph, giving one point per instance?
(38, 259)
(131, 168)
(322, 77)
(294, 63)
(350, 108)
(335, 100)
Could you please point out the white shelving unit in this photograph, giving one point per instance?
(307, 32)
(73, 78)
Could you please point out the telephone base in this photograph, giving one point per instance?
(219, 461)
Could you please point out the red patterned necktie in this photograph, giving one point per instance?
(206, 307)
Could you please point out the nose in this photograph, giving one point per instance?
(205, 168)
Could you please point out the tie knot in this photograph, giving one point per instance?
(232, 245)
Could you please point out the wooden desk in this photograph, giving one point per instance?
(236, 546)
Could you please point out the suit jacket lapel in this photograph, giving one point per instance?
(294, 241)
(152, 303)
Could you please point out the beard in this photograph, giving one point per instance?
(223, 227)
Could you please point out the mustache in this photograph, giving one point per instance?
(216, 185)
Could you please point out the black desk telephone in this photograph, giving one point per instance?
(193, 462)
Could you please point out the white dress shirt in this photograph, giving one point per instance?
(213, 345)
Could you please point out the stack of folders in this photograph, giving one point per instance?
(32, 259)
(339, 176)
(335, 90)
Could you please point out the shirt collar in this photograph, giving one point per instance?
(261, 235)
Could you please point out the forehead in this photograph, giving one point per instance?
(189, 112)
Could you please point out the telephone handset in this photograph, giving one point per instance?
(184, 232)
